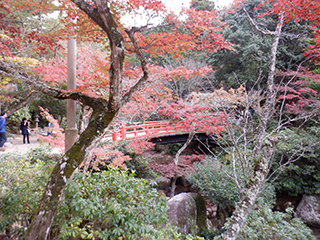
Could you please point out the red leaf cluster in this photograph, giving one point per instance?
(170, 170)
(298, 95)
(197, 118)
(56, 139)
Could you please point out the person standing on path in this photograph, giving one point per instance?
(3, 135)
(24, 130)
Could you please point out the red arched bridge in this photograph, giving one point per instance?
(160, 132)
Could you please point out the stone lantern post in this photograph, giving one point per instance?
(36, 119)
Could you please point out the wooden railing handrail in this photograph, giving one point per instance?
(147, 129)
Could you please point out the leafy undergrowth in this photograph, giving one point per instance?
(112, 204)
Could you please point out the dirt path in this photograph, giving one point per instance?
(15, 144)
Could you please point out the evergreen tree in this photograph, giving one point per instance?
(202, 5)
(250, 61)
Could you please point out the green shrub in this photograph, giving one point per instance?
(262, 223)
(140, 166)
(43, 153)
(111, 205)
(301, 176)
(211, 180)
(16, 118)
(265, 224)
(21, 185)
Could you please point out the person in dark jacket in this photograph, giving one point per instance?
(24, 130)
(3, 135)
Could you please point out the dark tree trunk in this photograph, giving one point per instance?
(103, 114)
(104, 111)
(41, 224)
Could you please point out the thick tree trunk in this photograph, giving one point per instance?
(103, 111)
(103, 114)
(41, 224)
(262, 151)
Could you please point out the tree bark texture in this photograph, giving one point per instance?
(185, 145)
(262, 152)
(23, 103)
(176, 162)
(41, 224)
(103, 113)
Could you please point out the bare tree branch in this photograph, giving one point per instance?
(254, 24)
(11, 72)
(23, 103)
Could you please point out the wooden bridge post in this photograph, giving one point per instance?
(123, 132)
(114, 136)
(176, 127)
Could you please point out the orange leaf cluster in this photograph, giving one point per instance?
(201, 31)
(56, 139)
(298, 95)
(23, 36)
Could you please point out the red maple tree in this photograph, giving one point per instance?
(300, 95)
(105, 85)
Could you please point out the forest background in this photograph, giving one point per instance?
(246, 75)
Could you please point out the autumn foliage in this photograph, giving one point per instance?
(56, 138)
(300, 95)
(167, 168)
(28, 36)
(128, 85)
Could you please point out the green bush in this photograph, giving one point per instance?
(112, 205)
(211, 180)
(109, 205)
(21, 185)
(16, 118)
(140, 166)
(42, 153)
(264, 224)
(301, 176)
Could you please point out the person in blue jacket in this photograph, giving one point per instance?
(3, 135)
(24, 130)
(50, 126)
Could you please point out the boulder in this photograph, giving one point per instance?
(308, 210)
(163, 183)
(188, 212)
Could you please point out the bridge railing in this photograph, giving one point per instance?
(147, 129)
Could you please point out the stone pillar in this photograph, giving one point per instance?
(71, 132)
(37, 121)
